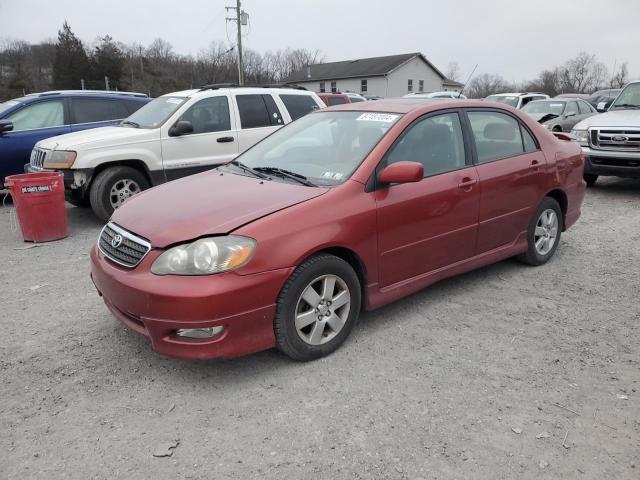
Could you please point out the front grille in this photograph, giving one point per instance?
(121, 246)
(627, 140)
(38, 156)
(615, 162)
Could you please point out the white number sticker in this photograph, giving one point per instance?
(378, 117)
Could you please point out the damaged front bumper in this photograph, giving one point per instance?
(76, 181)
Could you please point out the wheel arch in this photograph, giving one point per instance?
(561, 197)
(133, 163)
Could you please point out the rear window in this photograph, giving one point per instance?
(336, 101)
(299, 105)
(258, 111)
(88, 110)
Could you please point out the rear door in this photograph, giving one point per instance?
(259, 116)
(214, 140)
(511, 168)
(433, 223)
(87, 112)
(298, 105)
(32, 123)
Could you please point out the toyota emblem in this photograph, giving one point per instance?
(116, 241)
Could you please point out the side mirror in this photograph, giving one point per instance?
(602, 107)
(182, 127)
(402, 172)
(6, 126)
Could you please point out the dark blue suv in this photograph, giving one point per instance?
(27, 120)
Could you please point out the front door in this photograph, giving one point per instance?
(428, 225)
(214, 139)
(511, 168)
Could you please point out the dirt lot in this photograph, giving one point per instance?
(507, 372)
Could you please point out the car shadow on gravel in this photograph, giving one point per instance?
(617, 186)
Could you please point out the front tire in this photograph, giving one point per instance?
(112, 187)
(591, 179)
(317, 308)
(543, 233)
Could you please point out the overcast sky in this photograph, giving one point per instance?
(514, 38)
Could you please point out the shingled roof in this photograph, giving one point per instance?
(362, 67)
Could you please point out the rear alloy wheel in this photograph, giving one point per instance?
(112, 187)
(543, 234)
(591, 179)
(317, 307)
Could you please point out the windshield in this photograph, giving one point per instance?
(508, 99)
(324, 147)
(554, 107)
(628, 98)
(154, 113)
(7, 105)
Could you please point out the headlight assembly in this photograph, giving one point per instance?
(581, 136)
(60, 159)
(205, 256)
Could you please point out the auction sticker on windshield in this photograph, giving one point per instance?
(378, 117)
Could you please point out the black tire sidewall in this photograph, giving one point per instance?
(287, 338)
(533, 257)
(101, 188)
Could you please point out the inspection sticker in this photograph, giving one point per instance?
(36, 188)
(378, 117)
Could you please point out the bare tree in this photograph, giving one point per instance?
(620, 77)
(582, 74)
(453, 71)
(487, 84)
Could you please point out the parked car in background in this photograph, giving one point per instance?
(559, 114)
(355, 97)
(172, 136)
(582, 96)
(516, 100)
(435, 95)
(26, 120)
(348, 208)
(602, 99)
(373, 97)
(331, 99)
(611, 140)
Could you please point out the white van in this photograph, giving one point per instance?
(175, 135)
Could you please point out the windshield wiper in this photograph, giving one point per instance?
(625, 105)
(248, 169)
(287, 174)
(129, 122)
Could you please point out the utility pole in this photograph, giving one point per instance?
(240, 19)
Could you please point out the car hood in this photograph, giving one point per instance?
(96, 138)
(613, 118)
(209, 203)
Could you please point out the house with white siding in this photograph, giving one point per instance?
(390, 76)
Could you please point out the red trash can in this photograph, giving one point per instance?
(39, 202)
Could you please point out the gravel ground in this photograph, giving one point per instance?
(506, 372)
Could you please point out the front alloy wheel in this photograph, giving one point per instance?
(317, 307)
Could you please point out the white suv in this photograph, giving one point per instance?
(175, 135)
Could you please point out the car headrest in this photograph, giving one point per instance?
(500, 131)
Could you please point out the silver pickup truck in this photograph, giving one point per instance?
(611, 141)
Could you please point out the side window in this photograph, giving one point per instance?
(88, 110)
(321, 87)
(132, 106)
(258, 111)
(363, 86)
(421, 85)
(298, 105)
(334, 87)
(496, 136)
(409, 85)
(436, 142)
(209, 115)
(572, 108)
(527, 140)
(38, 115)
(584, 107)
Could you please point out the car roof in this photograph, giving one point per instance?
(406, 105)
(86, 92)
(205, 92)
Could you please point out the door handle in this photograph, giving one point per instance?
(535, 164)
(224, 139)
(466, 183)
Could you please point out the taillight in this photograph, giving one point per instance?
(582, 157)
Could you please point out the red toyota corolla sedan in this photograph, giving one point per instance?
(345, 209)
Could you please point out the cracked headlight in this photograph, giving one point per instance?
(205, 256)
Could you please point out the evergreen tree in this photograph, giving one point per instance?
(71, 63)
(108, 60)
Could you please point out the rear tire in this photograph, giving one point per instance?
(113, 186)
(543, 233)
(591, 179)
(317, 308)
